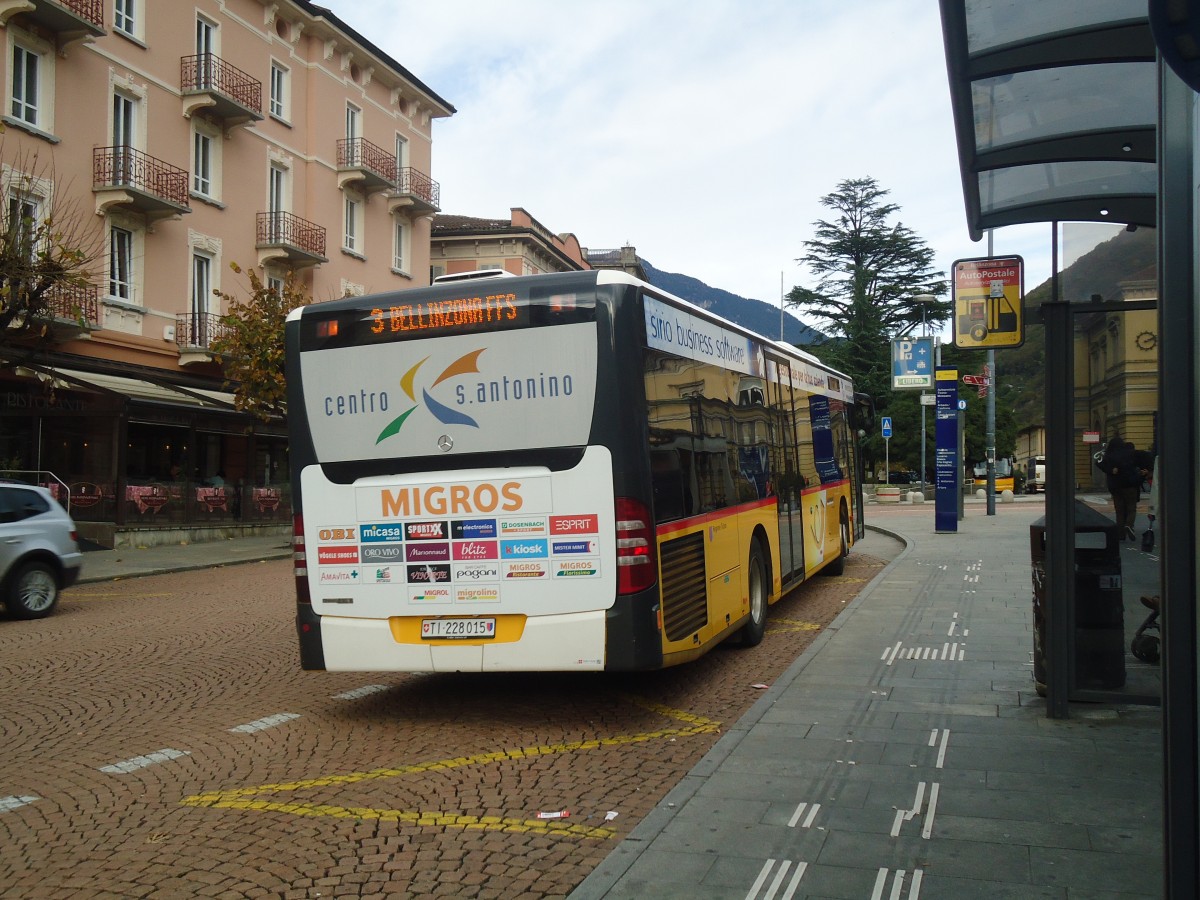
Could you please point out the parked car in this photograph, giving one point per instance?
(39, 551)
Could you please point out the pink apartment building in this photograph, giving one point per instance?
(189, 136)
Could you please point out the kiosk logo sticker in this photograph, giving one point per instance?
(464, 365)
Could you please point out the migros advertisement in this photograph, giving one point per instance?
(516, 540)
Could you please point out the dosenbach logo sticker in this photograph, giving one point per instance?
(464, 365)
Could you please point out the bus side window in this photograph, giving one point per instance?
(667, 476)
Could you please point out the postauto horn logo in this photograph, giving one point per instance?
(464, 365)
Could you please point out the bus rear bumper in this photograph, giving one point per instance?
(569, 642)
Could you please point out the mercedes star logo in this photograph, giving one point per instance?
(446, 443)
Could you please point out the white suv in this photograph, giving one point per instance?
(39, 551)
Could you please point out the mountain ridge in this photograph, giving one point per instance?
(757, 315)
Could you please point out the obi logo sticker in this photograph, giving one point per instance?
(464, 365)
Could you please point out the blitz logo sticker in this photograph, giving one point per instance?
(381, 533)
(337, 576)
(576, 568)
(427, 552)
(426, 531)
(477, 593)
(429, 574)
(574, 525)
(514, 571)
(472, 572)
(381, 553)
(476, 550)
(466, 529)
(337, 556)
(523, 549)
(588, 547)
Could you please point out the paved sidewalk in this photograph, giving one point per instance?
(907, 755)
(130, 562)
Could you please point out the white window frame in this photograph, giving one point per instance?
(30, 110)
(400, 246)
(278, 91)
(401, 154)
(353, 121)
(123, 290)
(126, 19)
(206, 180)
(352, 224)
(275, 284)
(200, 282)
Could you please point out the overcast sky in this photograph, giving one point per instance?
(704, 133)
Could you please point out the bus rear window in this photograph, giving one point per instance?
(461, 308)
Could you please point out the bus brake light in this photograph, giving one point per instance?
(300, 560)
(635, 546)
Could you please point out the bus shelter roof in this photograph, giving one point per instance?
(1055, 110)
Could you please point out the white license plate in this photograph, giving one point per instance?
(452, 629)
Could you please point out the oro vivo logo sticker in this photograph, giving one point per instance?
(464, 365)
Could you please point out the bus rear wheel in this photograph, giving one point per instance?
(838, 566)
(759, 593)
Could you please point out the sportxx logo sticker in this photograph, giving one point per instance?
(464, 365)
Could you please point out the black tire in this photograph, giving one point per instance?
(838, 566)
(759, 591)
(32, 591)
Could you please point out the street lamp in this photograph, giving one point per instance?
(924, 300)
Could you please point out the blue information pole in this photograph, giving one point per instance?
(947, 472)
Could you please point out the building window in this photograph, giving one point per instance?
(275, 285)
(399, 256)
(201, 284)
(401, 154)
(352, 240)
(202, 164)
(120, 264)
(23, 221)
(26, 85)
(278, 98)
(125, 19)
(353, 121)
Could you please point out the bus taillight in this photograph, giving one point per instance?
(300, 560)
(635, 546)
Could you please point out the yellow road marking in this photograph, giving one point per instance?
(783, 623)
(244, 798)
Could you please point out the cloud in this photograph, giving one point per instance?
(704, 133)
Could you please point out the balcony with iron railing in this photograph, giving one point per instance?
(197, 331)
(365, 166)
(69, 20)
(415, 192)
(284, 237)
(125, 177)
(210, 84)
(73, 308)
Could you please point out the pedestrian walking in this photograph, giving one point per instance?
(1124, 478)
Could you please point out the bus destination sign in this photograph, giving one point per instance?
(455, 315)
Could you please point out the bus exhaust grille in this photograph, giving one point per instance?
(684, 587)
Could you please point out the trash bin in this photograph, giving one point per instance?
(1099, 639)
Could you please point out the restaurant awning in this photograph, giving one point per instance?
(158, 393)
(1055, 110)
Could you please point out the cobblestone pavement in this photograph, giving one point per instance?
(160, 741)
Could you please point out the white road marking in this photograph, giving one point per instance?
(933, 795)
(10, 803)
(764, 873)
(812, 814)
(140, 762)
(914, 888)
(363, 691)
(941, 757)
(263, 724)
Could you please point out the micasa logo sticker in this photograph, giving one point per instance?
(464, 365)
